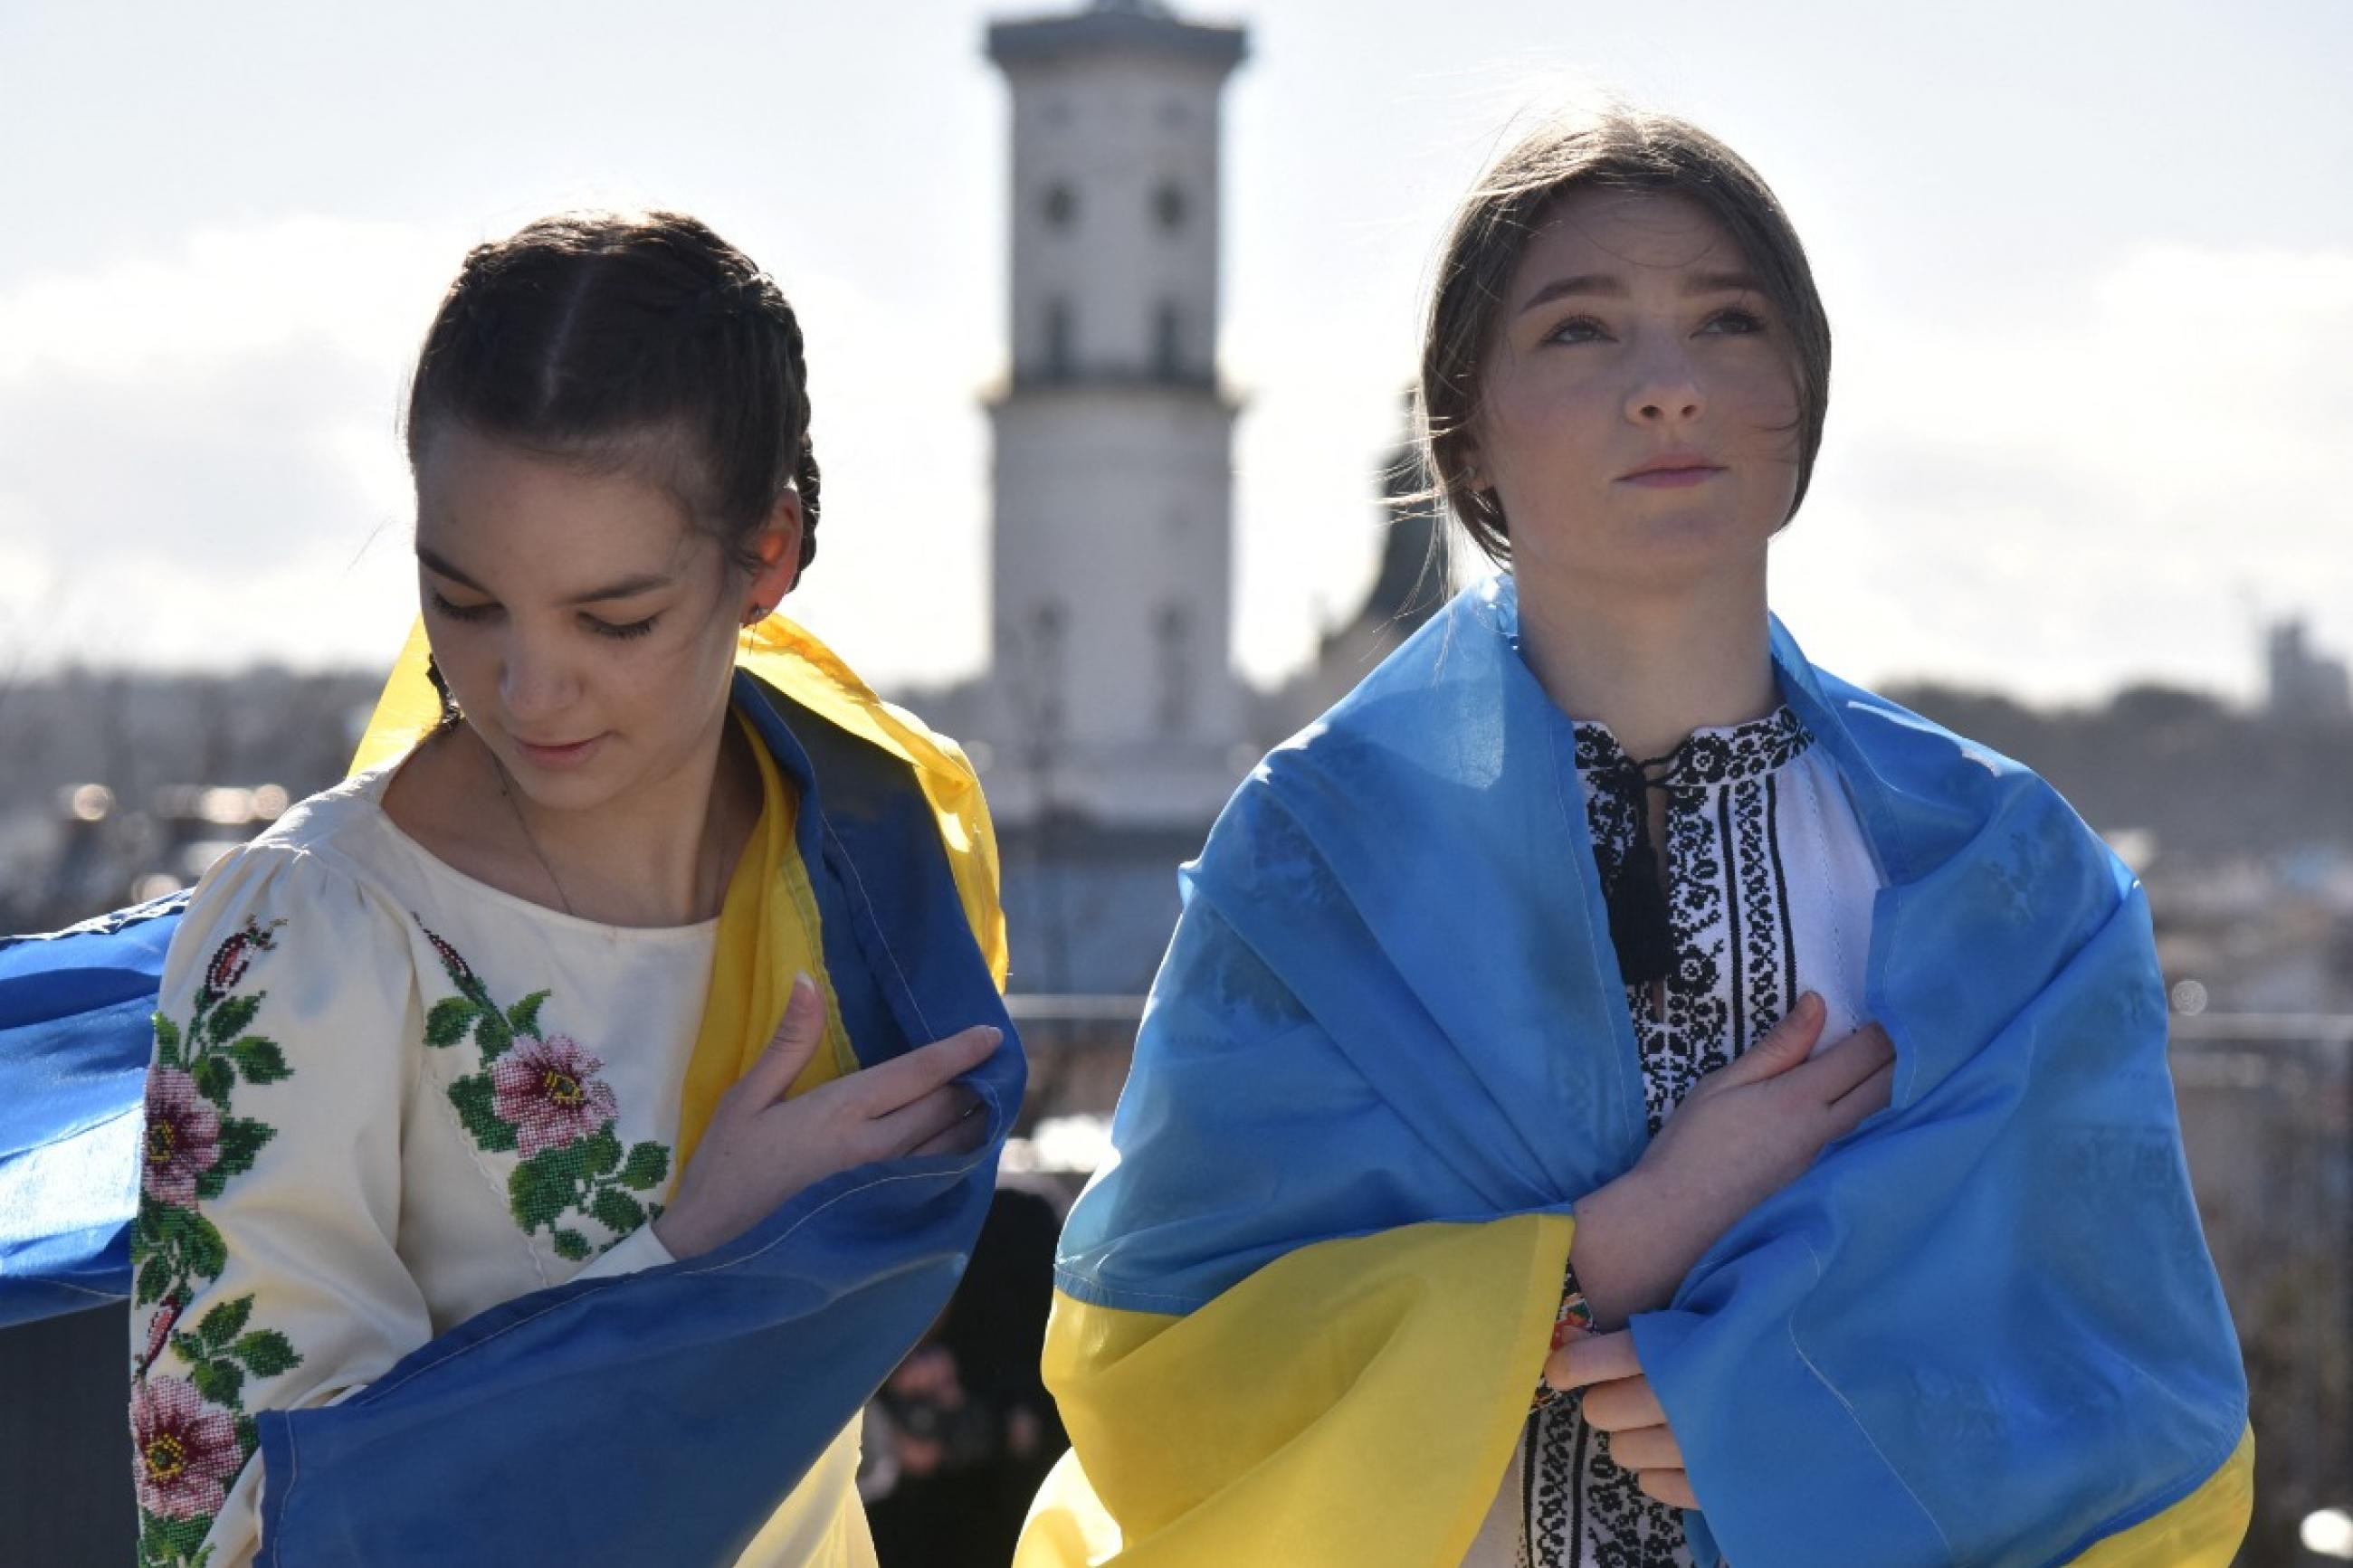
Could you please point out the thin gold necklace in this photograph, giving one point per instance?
(499, 769)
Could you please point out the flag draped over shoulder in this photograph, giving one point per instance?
(731, 1370)
(1300, 1314)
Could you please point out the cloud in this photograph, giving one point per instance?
(196, 448)
(199, 461)
(2110, 491)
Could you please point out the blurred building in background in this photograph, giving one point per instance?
(2303, 687)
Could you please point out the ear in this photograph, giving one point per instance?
(778, 546)
(1474, 467)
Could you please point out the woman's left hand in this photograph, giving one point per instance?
(1619, 1401)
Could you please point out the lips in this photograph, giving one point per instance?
(1671, 470)
(562, 755)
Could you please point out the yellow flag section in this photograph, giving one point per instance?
(1354, 1402)
(1354, 1405)
(768, 933)
(2202, 1530)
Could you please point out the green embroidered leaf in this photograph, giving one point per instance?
(187, 1347)
(647, 1167)
(446, 1024)
(202, 1559)
(490, 1033)
(155, 1279)
(259, 1059)
(176, 1541)
(223, 1323)
(476, 1100)
(265, 1352)
(600, 1151)
(215, 1077)
(167, 1041)
(570, 1244)
(230, 1019)
(249, 1436)
(541, 1188)
(222, 1382)
(241, 1138)
(523, 1018)
(203, 1253)
(616, 1211)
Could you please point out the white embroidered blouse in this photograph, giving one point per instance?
(386, 1097)
(1769, 889)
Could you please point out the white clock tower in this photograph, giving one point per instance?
(1112, 698)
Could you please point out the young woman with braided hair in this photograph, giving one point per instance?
(557, 1130)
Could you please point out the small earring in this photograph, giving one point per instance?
(755, 614)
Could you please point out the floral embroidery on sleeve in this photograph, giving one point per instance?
(191, 1434)
(537, 1096)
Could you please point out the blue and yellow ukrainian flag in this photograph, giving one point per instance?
(1300, 1314)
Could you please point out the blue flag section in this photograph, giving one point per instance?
(1982, 1328)
(653, 1418)
(76, 1026)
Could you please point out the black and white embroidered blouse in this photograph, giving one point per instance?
(1769, 887)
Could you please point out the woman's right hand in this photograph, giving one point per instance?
(1745, 1132)
(761, 1148)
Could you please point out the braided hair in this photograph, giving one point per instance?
(635, 338)
(639, 340)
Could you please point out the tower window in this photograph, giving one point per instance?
(1169, 205)
(1168, 342)
(1043, 681)
(1176, 635)
(1060, 206)
(1060, 349)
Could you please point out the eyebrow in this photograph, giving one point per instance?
(627, 588)
(1609, 286)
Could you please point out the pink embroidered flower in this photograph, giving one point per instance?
(183, 1137)
(187, 1450)
(549, 1090)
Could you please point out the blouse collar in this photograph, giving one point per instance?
(1709, 757)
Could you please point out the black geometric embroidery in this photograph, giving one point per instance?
(1734, 975)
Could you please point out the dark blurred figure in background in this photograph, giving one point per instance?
(959, 1438)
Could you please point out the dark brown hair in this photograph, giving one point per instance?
(1616, 150)
(636, 340)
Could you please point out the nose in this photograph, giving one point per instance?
(1666, 388)
(535, 682)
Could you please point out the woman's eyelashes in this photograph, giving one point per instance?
(1578, 330)
(457, 612)
(618, 630)
(1733, 321)
(624, 629)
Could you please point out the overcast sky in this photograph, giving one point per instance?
(2090, 266)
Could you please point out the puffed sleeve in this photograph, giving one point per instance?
(265, 1274)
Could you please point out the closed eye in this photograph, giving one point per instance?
(457, 612)
(624, 630)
